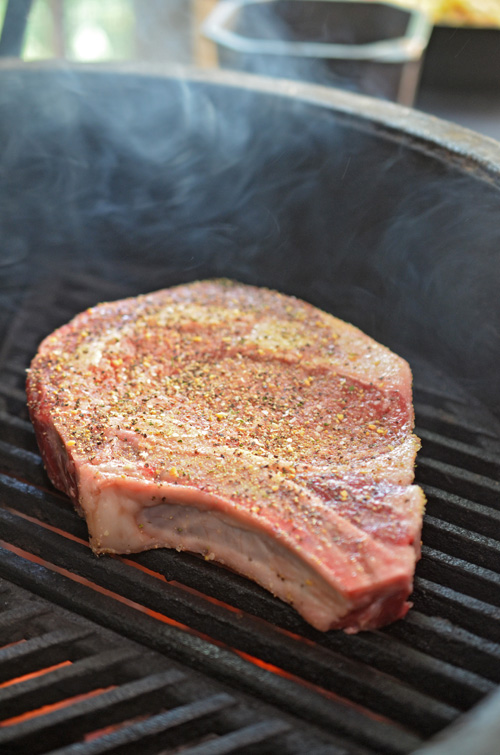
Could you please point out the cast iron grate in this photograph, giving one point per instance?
(76, 681)
(385, 691)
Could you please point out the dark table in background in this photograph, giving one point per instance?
(461, 78)
(479, 111)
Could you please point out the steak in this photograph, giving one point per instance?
(246, 426)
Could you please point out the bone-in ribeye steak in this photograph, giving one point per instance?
(244, 425)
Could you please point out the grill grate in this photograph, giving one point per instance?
(385, 691)
(78, 681)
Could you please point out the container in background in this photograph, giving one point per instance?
(368, 47)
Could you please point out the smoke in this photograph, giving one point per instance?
(148, 181)
(152, 173)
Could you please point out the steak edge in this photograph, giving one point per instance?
(246, 426)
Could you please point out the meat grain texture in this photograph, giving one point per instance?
(246, 426)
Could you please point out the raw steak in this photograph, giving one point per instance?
(244, 425)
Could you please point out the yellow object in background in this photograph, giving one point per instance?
(483, 13)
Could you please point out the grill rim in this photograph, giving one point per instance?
(468, 150)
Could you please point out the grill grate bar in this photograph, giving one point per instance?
(445, 423)
(437, 395)
(472, 614)
(18, 462)
(50, 304)
(336, 717)
(445, 640)
(467, 514)
(18, 432)
(79, 677)
(76, 292)
(476, 581)
(438, 678)
(457, 541)
(42, 504)
(19, 370)
(14, 400)
(13, 623)
(47, 650)
(451, 478)
(145, 736)
(258, 734)
(21, 339)
(380, 693)
(144, 696)
(460, 454)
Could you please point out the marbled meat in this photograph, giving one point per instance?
(244, 425)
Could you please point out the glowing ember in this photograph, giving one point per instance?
(55, 706)
(33, 674)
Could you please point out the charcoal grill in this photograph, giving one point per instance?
(164, 652)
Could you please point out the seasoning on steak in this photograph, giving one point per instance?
(244, 425)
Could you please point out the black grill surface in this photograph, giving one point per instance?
(114, 695)
(163, 652)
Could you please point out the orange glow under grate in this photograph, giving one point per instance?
(55, 706)
(34, 674)
(172, 622)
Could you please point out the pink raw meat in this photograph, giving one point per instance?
(244, 425)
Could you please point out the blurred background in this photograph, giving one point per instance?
(456, 75)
